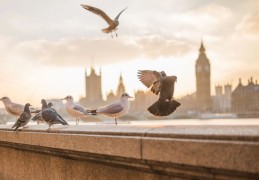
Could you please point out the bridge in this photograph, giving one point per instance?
(130, 152)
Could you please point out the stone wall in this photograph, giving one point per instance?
(130, 152)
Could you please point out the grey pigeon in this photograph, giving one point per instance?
(112, 23)
(24, 118)
(50, 115)
(38, 117)
(163, 85)
(115, 109)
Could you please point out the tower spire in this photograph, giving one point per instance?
(202, 48)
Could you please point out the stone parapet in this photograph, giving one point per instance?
(127, 151)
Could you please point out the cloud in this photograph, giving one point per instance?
(205, 16)
(249, 26)
(80, 51)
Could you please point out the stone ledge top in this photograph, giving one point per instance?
(232, 148)
(216, 132)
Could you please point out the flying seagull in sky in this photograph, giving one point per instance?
(113, 24)
(115, 109)
(24, 118)
(75, 110)
(163, 85)
(11, 107)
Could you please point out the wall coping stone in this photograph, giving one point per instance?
(231, 151)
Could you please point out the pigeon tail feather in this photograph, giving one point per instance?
(163, 108)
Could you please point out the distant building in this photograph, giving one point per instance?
(93, 90)
(222, 100)
(93, 84)
(143, 99)
(246, 98)
(120, 89)
(203, 93)
(188, 104)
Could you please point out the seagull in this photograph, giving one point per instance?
(11, 107)
(24, 118)
(50, 115)
(112, 23)
(38, 117)
(115, 109)
(75, 110)
(160, 83)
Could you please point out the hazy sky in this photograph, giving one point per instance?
(46, 45)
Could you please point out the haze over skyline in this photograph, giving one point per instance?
(45, 46)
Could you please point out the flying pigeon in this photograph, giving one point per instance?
(75, 110)
(24, 118)
(163, 85)
(115, 109)
(11, 107)
(112, 23)
(50, 115)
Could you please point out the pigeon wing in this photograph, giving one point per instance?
(48, 115)
(37, 117)
(61, 120)
(99, 12)
(16, 109)
(117, 17)
(111, 108)
(151, 79)
(79, 108)
(23, 118)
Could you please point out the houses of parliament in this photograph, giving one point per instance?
(224, 101)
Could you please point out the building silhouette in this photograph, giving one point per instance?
(245, 99)
(93, 86)
(222, 99)
(111, 96)
(203, 93)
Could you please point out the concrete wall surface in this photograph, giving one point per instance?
(129, 152)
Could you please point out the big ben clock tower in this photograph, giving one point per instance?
(202, 69)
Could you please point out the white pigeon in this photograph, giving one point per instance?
(115, 109)
(11, 107)
(75, 110)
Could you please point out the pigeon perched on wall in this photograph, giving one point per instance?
(24, 118)
(162, 85)
(38, 117)
(115, 109)
(50, 115)
(113, 24)
(12, 108)
(75, 110)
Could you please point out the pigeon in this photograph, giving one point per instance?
(115, 109)
(38, 117)
(113, 24)
(24, 118)
(75, 110)
(11, 107)
(160, 83)
(50, 115)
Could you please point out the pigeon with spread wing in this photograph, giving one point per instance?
(113, 24)
(162, 85)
